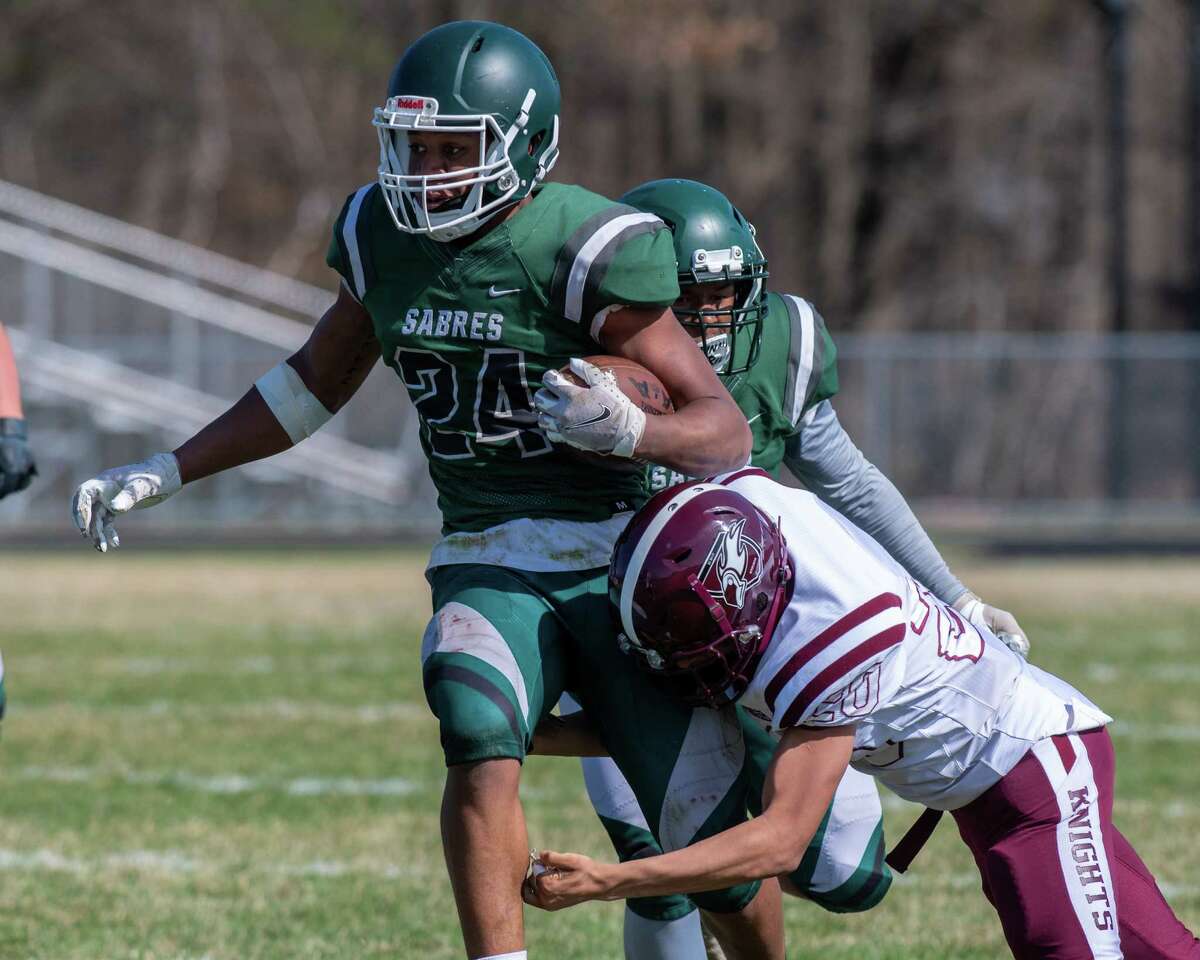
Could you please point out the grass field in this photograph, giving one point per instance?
(228, 755)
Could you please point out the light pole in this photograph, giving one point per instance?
(1116, 15)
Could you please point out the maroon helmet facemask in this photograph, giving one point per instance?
(698, 581)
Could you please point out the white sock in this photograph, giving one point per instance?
(515, 955)
(663, 939)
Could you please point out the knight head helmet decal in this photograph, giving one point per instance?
(733, 565)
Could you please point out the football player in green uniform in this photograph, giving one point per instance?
(475, 281)
(778, 360)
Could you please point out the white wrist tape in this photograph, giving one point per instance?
(298, 411)
(973, 611)
(628, 439)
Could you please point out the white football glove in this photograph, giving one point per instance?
(1002, 623)
(596, 417)
(139, 485)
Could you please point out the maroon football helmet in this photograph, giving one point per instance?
(698, 581)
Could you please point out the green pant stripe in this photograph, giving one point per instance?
(632, 843)
(457, 674)
(866, 887)
(489, 738)
(803, 874)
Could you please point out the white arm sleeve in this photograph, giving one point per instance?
(298, 411)
(824, 458)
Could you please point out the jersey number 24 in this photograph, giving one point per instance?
(502, 409)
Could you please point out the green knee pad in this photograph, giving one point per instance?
(632, 843)
(493, 657)
(478, 714)
(862, 890)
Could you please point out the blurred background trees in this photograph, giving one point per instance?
(910, 164)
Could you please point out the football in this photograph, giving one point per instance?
(635, 381)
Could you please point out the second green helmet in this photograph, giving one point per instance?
(714, 244)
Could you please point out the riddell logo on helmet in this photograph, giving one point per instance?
(412, 103)
(733, 566)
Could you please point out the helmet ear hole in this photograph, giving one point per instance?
(536, 141)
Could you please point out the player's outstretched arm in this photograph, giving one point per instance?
(17, 468)
(292, 401)
(285, 406)
(800, 786)
(708, 433)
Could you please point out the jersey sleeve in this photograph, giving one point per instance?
(349, 250)
(618, 257)
(843, 673)
(812, 360)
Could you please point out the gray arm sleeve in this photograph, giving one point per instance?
(824, 458)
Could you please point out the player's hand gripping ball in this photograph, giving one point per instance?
(558, 880)
(599, 404)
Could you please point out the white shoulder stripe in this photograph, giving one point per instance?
(804, 373)
(577, 278)
(350, 239)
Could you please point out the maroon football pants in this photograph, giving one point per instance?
(1066, 883)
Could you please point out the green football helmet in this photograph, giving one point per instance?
(470, 76)
(714, 244)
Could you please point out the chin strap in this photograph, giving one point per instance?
(904, 852)
(715, 610)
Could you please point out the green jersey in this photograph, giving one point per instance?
(470, 330)
(796, 369)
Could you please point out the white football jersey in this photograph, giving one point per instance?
(941, 708)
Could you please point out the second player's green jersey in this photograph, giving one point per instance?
(796, 369)
(471, 328)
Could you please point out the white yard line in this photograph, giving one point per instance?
(1168, 732)
(227, 783)
(152, 666)
(1169, 810)
(282, 709)
(1102, 672)
(176, 863)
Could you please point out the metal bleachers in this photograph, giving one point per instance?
(128, 341)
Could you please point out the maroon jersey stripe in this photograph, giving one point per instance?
(822, 640)
(841, 668)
